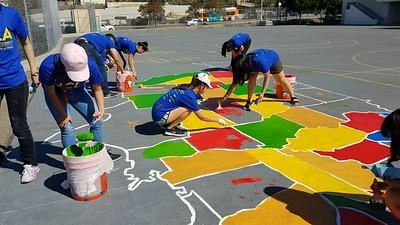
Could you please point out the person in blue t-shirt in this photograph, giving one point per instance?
(63, 77)
(14, 85)
(238, 44)
(178, 103)
(98, 46)
(248, 67)
(127, 46)
(390, 171)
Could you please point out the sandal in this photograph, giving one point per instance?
(294, 101)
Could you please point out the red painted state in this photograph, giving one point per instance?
(365, 121)
(245, 180)
(227, 138)
(352, 217)
(216, 84)
(230, 109)
(217, 74)
(366, 152)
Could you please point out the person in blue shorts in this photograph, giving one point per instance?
(178, 103)
(14, 85)
(127, 46)
(63, 77)
(97, 46)
(248, 67)
(238, 44)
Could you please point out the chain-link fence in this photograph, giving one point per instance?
(42, 20)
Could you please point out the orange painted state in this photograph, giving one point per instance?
(310, 118)
(205, 163)
(295, 206)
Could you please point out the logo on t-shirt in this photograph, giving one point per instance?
(6, 41)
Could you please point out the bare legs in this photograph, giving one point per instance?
(176, 116)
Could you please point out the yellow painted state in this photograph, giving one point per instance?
(296, 206)
(267, 109)
(310, 118)
(324, 138)
(225, 80)
(214, 93)
(307, 174)
(184, 80)
(193, 123)
(349, 171)
(205, 163)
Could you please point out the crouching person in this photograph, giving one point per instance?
(178, 103)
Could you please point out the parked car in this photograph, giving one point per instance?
(107, 27)
(193, 22)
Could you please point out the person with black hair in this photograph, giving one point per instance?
(248, 67)
(238, 44)
(178, 103)
(390, 172)
(127, 46)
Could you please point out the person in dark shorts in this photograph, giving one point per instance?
(248, 67)
(238, 44)
(127, 46)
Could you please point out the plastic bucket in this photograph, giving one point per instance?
(124, 81)
(86, 166)
(280, 93)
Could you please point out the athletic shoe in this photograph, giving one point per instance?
(180, 127)
(29, 173)
(114, 156)
(175, 132)
(111, 94)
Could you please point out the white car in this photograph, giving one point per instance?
(107, 27)
(193, 22)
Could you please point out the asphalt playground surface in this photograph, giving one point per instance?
(345, 74)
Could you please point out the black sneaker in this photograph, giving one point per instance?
(175, 132)
(114, 156)
(180, 127)
(111, 94)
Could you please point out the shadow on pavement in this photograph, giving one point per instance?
(149, 128)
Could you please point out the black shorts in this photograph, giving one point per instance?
(277, 68)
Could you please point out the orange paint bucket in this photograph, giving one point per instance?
(280, 93)
(124, 81)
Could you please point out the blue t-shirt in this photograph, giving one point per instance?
(173, 99)
(52, 72)
(12, 28)
(263, 60)
(125, 45)
(100, 42)
(239, 39)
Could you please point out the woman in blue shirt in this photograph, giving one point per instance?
(63, 77)
(248, 67)
(14, 85)
(238, 44)
(127, 46)
(178, 103)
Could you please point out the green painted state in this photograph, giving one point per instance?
(171, 148)
(340, 201)
(242, 90)
(272, 131)
(145, 101)
(165, 78)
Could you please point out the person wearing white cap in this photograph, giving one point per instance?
(63, 77)
(177, 104)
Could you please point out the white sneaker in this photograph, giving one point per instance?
(29, 173)
(180, 127)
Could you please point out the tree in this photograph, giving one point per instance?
(153, 9)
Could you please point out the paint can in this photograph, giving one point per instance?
(87, 165)
(124, 81)
(280, 93)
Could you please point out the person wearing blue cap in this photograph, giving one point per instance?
(127, 46)
(14, 85)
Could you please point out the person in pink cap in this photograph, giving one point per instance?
(63, 77)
